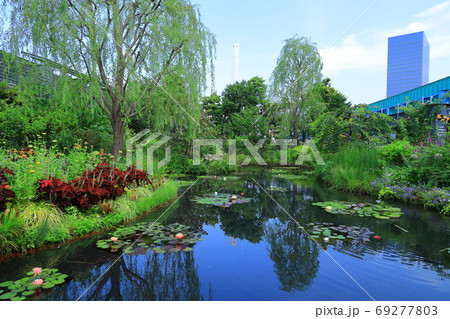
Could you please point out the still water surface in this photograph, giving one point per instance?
(255, 251)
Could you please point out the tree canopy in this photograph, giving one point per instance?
(119, 50)
(298, 69)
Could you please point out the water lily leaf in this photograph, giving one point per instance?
(18, 289)
(188, 249)
(28, 293)
(48, 285)
(19, 298)
(6, 283)
(8, 295)
(381, 217)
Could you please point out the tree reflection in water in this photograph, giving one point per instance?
(150, 276)
(295, 256)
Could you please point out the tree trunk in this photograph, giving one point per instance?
(118, 128)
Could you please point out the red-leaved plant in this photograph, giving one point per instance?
(6, 193)
(103, 183)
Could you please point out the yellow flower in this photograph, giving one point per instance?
(38, 163)
(32, 171)
(30, 165)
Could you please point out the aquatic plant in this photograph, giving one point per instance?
(221, 199)
(37, 279)
(185, 183)
(361, 210)
(291, 177)
(277, 189)
(330, 232)
(140, 238)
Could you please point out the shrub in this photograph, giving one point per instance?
(220, 167)
(397, 152)
(35, 215)
(105, 182)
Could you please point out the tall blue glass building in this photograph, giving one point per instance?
(408, 62)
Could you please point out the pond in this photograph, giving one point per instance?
(257, 251)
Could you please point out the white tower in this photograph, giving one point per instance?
(235, 62)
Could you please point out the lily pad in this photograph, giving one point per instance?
(6, 283)
(18, 298)
(154, 237)
(341, 232)
(8, 295)
(221, 199)
(361, 209)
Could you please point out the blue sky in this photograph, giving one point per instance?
(356, 63)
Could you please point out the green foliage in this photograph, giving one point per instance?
(397, 152)
(332, 98)
(238, 112)
(333, 130)
(298, 69)
(36, 279)
(361, 210)
(220, 167)
(122, 56)
(342, 232)
(10, 228)
(221, 199)
(417, 122)
(40, 162)
(38, 214)
(354, 168)
(126, 207)
(430, 166)
(153, 236)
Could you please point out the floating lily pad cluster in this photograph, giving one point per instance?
(185, 183)
(362, 209)
(291, 177)
(277, 189)
(160, 238)
(220, 178)
(338, 232)
(221, 199)
(37, 279)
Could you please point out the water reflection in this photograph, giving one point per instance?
(145, 277)
(278, 256)
(294, 255)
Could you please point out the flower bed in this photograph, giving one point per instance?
(437, 198)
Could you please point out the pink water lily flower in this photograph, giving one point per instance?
(36, 270)
(38, 282)
(114, 238)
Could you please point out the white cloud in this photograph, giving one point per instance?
(369, 50)
(437, 9)
(352, 54)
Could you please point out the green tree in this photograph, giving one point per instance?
(238, 108)
(120, 49)
(298, 70)
(332, 98)
(346, 125)
(239, 96)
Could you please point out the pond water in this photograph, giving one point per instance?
(257, 251)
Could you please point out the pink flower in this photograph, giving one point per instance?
(377, 237)
(38, 282)
(114, 238)
(36, 270)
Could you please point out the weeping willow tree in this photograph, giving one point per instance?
(120, 51)
(291, 84)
